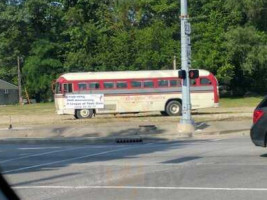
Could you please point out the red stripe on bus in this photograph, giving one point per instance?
(153, 93)
(215, 90)
(149, 93)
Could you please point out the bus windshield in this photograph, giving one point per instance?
(58, 88)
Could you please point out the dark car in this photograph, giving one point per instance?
(6, 192)
(258, 132)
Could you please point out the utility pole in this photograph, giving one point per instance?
(174, 63)
(19, 82)
(186, 125)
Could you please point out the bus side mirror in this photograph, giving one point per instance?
(193, 74)
(182, 74)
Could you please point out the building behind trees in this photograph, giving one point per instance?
(8, 93)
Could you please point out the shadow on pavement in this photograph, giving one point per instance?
(183, 159)
(89, 155)
(45, 179)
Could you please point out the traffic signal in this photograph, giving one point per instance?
(182, 74)
(193, 74)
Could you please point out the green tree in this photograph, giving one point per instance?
(41, 68)
(246, 49)
(228, 38)
(14, 39)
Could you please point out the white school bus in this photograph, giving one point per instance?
(132, 92)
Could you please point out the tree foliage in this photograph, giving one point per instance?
(229, 39)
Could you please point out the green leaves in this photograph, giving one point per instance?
(253, 12)
(226, 73)
(155, 47)
(42, 67)
(246, 49)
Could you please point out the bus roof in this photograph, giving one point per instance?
(124, 75)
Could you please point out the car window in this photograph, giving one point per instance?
(263, 103)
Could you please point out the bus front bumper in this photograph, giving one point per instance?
(65, 112)
(216, 105)
(60, 112)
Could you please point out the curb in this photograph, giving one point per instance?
(221, 132)
(57, 140)
(81, 140)
(236, 131)
(111, 140)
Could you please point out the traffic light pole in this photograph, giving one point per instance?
(186, 124)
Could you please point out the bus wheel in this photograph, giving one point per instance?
(163, 113)
(84, 113)
(174, 108)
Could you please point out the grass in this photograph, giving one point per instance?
(240, 102)
(44, 114)
(49, 108)
(28, 109)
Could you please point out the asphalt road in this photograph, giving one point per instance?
(211, 169)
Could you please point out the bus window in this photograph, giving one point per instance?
(148, 84)
(121, 85)
(136, 84)
(94, 86)
(173, 83)
(193, 82)
(82, 86)
(67, 87)
(108, 85)
(58, 88)
(163, 83)
(205, 81)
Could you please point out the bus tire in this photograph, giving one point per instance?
(84, 113)
(174, 108)
(163, 113)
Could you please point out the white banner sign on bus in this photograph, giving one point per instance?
(84, 101)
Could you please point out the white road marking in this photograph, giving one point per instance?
(215, 140)
(37, 148)
(66, 160)
(232, 164)
(140, 188)
(133, 164)
(40, 154)
(50, 152)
